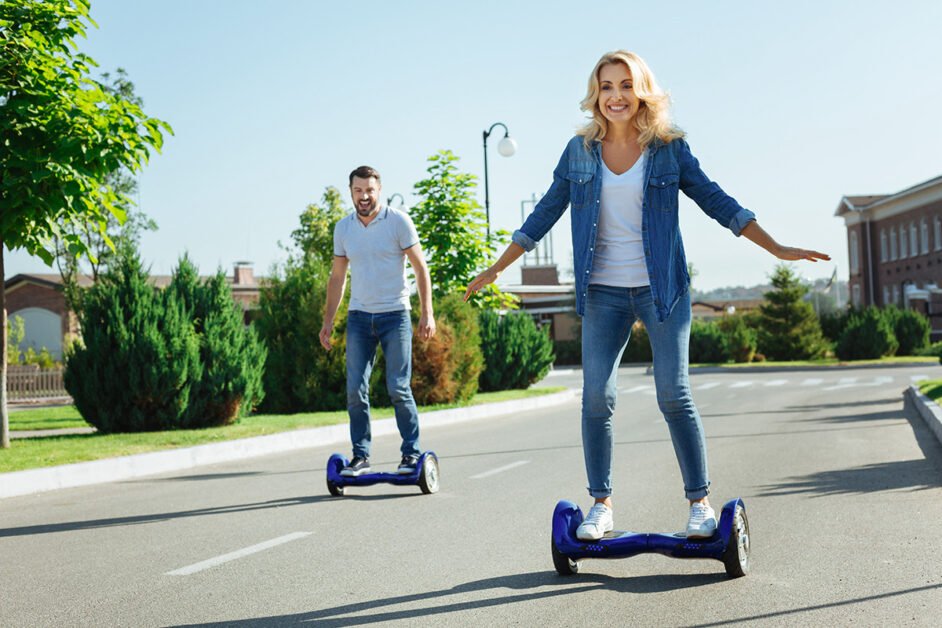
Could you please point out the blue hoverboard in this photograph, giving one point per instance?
(425, 475)
(729, 544)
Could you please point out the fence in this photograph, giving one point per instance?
(32, 383)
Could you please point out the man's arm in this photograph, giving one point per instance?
(335, 287)
(424, 284)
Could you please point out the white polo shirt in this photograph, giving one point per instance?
(377, 259)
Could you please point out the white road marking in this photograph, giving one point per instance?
(851, 383)
(919, 378)
(741, 385)
(225, 558)
(635, 389)
(556, 372)
(812, 381)
(707, 386)
(506, 467)
(844, 381)
(777, 382)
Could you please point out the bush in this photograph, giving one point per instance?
(868, 335)
(833, 324)
(911, 329)
(446, 368)
(516, 352)
(231, 355)
(300, 376)
(140, 356)
(707, 342)
(741, 339)
(639, 345)
(789, 329)
(568, 352)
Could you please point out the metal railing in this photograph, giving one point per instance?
(32, 383)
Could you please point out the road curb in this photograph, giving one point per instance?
(929, 410)
(812, 367)
(18, 483)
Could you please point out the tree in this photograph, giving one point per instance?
(315, 237)
(789, 328)
(125, 237)
(453, 230)
(61, 134)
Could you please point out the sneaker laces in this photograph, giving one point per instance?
(699, 513)
(596, 513)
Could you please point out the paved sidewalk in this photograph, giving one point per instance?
(929, 410)
(126, 467)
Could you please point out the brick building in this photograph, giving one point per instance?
(39, 301)
(895, 249)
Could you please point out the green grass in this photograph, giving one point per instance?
(31, 453)
(53, 418)
(908, 359)
(932, 388)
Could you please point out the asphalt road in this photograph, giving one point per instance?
(842, 484)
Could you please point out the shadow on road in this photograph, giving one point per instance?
(914, 475)
(533, 586)
(69, 526)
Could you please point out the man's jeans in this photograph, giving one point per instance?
(393, 331)
(606, 327)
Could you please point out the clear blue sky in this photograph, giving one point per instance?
(788, 106)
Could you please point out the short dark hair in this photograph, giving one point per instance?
(365, 172)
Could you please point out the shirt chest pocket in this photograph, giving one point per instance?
(663, 190)
(580, 187)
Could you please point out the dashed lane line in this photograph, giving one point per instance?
(506, 467)
(246, 551)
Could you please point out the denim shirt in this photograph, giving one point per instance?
(670, 168)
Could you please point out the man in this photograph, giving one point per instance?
(374, 242)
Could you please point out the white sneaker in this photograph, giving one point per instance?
(702, 522)
(596, 524)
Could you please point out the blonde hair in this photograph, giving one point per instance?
(653, 117)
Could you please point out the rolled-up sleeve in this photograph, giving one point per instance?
(708, 195)
(549, 210)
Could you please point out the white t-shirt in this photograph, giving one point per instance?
(619, 250)
(377, 259)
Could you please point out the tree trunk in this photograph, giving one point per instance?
(4, 419)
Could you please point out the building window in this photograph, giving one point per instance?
(937, 227)
(895, 294)
(903, 240)
(893, 244)
(854, 261)
(886, 296)
(856, 295)
(913, 240)
(924, 237)
(883, 255)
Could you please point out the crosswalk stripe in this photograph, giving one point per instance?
(707, 386)
(812, 381)
(777, 382)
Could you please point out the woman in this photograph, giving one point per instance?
(621, 174)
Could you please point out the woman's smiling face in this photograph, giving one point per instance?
(617, 100)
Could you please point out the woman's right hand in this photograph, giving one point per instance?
(488, 276)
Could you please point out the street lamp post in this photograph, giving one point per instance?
(506, 148)
(402, 201)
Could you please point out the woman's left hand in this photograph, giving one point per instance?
(791, 253)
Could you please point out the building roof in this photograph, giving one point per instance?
(863, 202)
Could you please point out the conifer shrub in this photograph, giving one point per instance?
(139, 357)
(707, 342)
(741, 339)
(516, 352)
(231, 355)
(445, 368)
(300, 376)
(867, 335)
(789, 328)
(910, 328)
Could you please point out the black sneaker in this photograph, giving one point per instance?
(408, 464)
(358, 466)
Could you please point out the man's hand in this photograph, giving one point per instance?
(326, 331)
(426, 326)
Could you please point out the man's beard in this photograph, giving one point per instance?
(367, 211)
